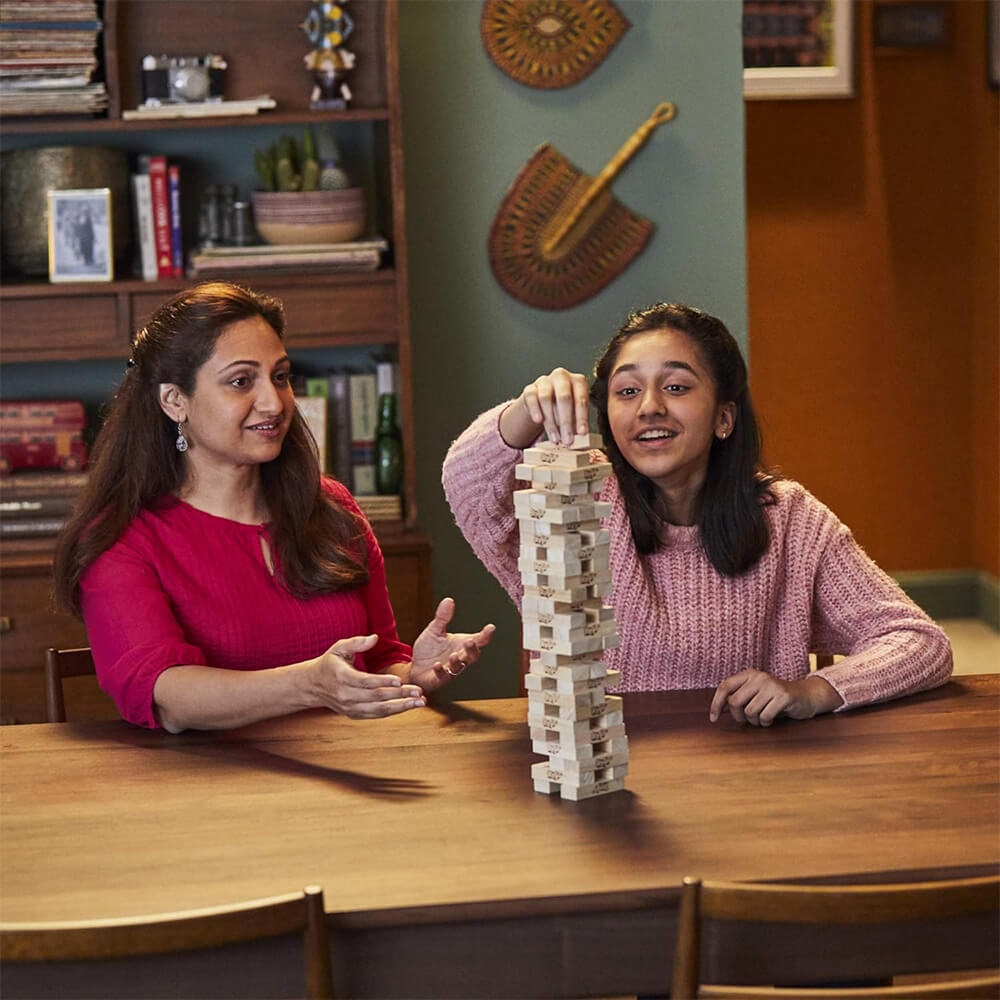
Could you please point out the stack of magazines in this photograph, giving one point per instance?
(359, 255)
(48, 56)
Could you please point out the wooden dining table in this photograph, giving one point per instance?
(446, 874)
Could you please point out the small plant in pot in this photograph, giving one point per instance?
(306, 196)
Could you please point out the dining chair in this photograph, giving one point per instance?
(824, 906)
(60, 663)
(184, 930)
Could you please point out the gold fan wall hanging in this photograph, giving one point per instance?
(559, 235)
(550, 43)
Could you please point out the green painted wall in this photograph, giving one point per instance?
(468, 129)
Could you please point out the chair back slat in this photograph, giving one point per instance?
(828, 906)
(185, 930)
(60, 663)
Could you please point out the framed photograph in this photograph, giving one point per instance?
(80, 235)
(798, 49)
(909, 27)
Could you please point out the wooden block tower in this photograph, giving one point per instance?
(566, 573)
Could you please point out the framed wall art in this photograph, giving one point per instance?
(80, 235)
(798, 49)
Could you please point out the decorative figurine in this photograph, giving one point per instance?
(327, 27)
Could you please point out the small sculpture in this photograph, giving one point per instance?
(327, 27)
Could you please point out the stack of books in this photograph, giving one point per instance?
(358, 255)
(35, 505)
(48, 56)
(341, 410)
(381, 508)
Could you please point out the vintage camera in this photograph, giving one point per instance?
(182, 79)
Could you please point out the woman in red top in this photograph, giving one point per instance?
(221, 579)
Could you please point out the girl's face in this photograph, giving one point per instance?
(242, 404)
(663, 410)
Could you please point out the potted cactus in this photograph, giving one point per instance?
(306, 196)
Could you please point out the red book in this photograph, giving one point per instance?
(161, 216)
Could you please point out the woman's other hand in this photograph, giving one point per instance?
(758, 698)
(558, 403)
(358, 695)
(440, 655)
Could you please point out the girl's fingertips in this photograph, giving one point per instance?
(417, 703)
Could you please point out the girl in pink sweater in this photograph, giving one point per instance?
(723, 576)
(222, 581)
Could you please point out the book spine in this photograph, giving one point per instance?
(35, 507)
(18, 528)
(364, 416)
(312, 409)
(143, 195)
(340, 428)
(176, 240)
(31, 485)
(161, 216)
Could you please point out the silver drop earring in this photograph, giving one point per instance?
(181, 443)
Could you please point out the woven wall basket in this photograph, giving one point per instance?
(550, 43)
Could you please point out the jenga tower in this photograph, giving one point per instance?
(564, 564)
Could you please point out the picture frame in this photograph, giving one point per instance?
(802, 50)
(80, 243)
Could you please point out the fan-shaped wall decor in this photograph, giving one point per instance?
(559, 236)
(550, 43)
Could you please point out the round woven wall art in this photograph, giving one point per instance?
(550, 43)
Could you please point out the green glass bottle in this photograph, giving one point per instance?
(388, 439)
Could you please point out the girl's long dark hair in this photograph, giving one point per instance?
(730, 517)
(319, 545)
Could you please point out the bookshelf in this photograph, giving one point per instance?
(61, 324)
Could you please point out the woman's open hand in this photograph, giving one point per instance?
(558, 403)
(338, 686)
(440, 655)
(758, 698)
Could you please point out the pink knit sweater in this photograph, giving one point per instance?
(689, 626)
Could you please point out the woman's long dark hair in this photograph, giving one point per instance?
(134, 463)
(731, 522)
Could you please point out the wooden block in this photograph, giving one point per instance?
(592, 474)
(543, 529)
(566, 567)
(577, 708)
(554, 619)
(574, 673)
(556, 629)
(563, 554)
(597, 762)
(534, 604)
(570, 643)
(575, 793)
(571, 516)
(581, 752)
(586, 442)
(559, 458)
(546, 787)
(567, 731)
(562, 647)
(538, 682)
(555, 656)
(545, 771)
(530, 499)
(570, 541)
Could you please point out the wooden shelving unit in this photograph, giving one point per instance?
(264, 46)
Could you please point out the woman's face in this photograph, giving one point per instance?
(663, 410)
(242, 404)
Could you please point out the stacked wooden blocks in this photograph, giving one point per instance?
(566, 573)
